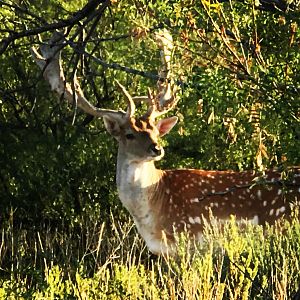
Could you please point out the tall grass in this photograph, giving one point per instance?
(94, 260)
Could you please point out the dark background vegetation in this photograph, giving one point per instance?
(237, 64)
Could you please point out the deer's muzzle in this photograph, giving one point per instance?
(156, 150)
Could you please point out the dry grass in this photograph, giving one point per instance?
(94, 260)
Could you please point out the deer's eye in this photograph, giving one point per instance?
(129, 136)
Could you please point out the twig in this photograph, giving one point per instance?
(81, 14)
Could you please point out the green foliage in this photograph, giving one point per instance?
(239, 99)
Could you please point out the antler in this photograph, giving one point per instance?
(131, 105)
(165, 99)
(49, 60)
(50, 63)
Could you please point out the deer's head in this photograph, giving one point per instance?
(139, 136)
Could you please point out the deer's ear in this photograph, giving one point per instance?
(165, 125)
(112, 125)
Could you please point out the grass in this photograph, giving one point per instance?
(95, 260)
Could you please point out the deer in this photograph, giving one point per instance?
(163, 203)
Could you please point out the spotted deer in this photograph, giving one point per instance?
(163, 202)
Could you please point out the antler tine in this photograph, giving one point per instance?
(163, 102)
(152, 106)
(49, 61)
(131, 105)
(165, 99)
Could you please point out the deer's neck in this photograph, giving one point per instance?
(138, 185)
(141, 190)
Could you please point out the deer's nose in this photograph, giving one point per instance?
(155, 149)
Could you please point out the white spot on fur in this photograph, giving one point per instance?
(259, 194)
(191, 220)
(282, 209)
(197, 220)
(194, 200)
(271, 212)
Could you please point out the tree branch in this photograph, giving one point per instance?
(81, 14)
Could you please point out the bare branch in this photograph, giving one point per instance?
(81, 14)
(23, 11)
